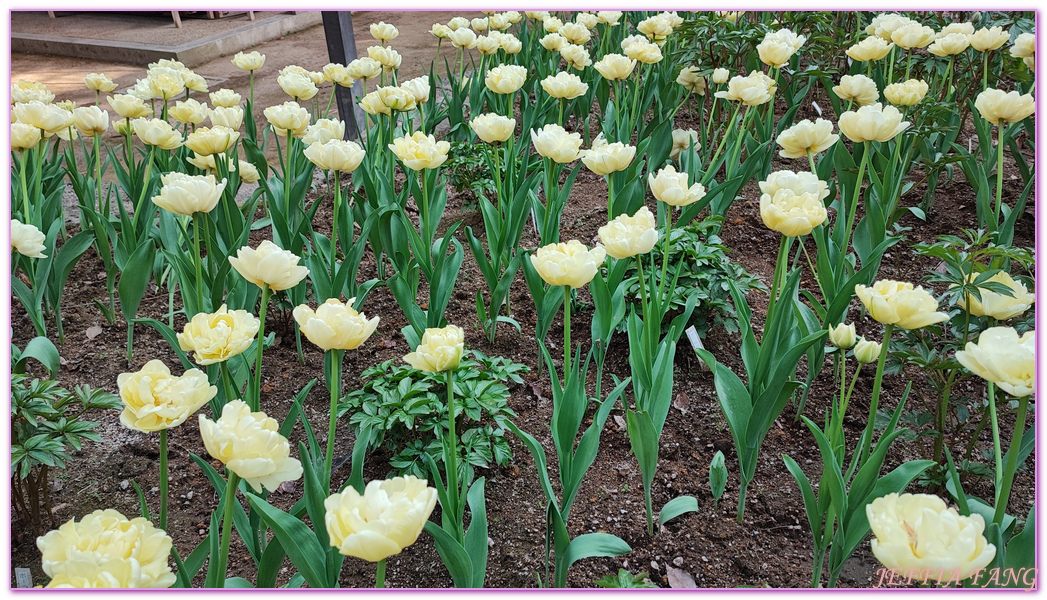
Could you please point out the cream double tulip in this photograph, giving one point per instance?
(843, 336)
(791, 215)
(440, 350)
(775, 50)
(337, 73)
(420, 151)
(216, 337)
(800, 183)
(211, 140)
(417, 87)
(965, 28)
(157, 132)
(859, 88)
(553, 42)
(751, 90)
(127, 106)
(906, 93)
(105, 549)
(297, 86)
(189, 111)
(920, 532)
(492, 127)
(49, 117)
(250, 61)
(899, 303)
(691, 80)
(26, 91)
(364, 68)
(334, 325)
(505, 79)
(986, 39)
(656, 28)
(183, 194)
(577, 57)
(383, 31)
(250, 445)
(24, 136)
(568, 263)
(27, 240)
(950, 44)
(615, 67)
(1004, 358)
(270, 265)
(996, 105)
(227, 116)
(552, 24)
(682, 140)
(671, 187)
(553, 142)
(997, 305)
(575, 33)
(91, 120)
(154, 399)
(609, 17)
(287, 118)
(225, 97)
(805, 136)
(387, 518)
(912, 35)
(626, 236)
(645, 52)
(463, 38)
(395, 98)
(564, 86)
(387, 57)
(99, 82)
(335, 155)
(871, 48)
(874, 122)
(1024, 46)
(604, 158)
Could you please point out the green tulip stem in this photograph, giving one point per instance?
(379, 577)
(610, 196)
(198, 224)
(948, 78)
(850, 392)
(567, 327)
(997, 454)
(334, 385)
(1003, 494)
(288, 174)
(98, 174)
(130, 339)
(334, 226)
(255, 399)
(330, 101)
(738, 143)
(451, 461)
(874, 400)
(985, 70)
(663, 294)
(853, 208)
(423, 207)
(559, 121)
(252, 92)
(25, 190)
(227, 384)
(814, 269)
(908, 65)
(163, 479)
(723, 141)
(145, 185)
(999, 174)
(810, 159)
(890, 68)
(780, 266)
(227, 521)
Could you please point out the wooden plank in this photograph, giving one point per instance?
(341, 49)
(177, 19)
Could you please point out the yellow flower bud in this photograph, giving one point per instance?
(250, 445)
(387, 518)
(898, 303)
(867, 351)
(682, 140)
(843, 336)
(269, 264)
(568, 264)
(721, 75)
(440, 350)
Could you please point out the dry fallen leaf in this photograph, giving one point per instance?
(93, 332)
(678, 578)
(682, 403)
(620, 420)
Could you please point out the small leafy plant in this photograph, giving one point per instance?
(402, 406)
(704, 269)
(624, 579)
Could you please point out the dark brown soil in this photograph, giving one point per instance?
(771, 547)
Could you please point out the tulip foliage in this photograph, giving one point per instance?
(259, 225)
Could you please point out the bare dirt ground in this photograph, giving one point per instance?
(771, 547)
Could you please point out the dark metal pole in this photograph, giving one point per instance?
(341, 48)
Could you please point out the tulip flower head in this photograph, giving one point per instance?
(871, 48)
(950, 44)
(914, 532)
(691, 80)
(27, 240)
(604, 158)
(791, 203)
(986, 39)
(859, 88)
(997, 106)
(440, 350)
(99, 82)
(335, 155)
(212, 140)
(843, 336)
(250, 445)
(505, 79)
(899, 303)
(906, 93)
(806, 136)
(157, 132)
(335, 325)
(564, 85)
(154, 399)
(225, 97)
(492, 127)
(867, 351)
(751, 90)
(626, 236)
(269, 265)
(387, 518)
(568, 264)
(27, 91)
(183, 194)
(615, 67)
(671, 187)
(420, 151)
(996, 305)
(1004, 358)
(720, 75)
(873, 122)
(250, 61)
(91, 120)
(23, 136)
(553, 142)
(682, 140)
(216, 337)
